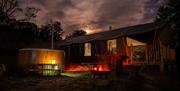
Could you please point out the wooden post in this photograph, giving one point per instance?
(146, 53)
(162, 58)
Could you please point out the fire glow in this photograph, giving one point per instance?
(81, 68)
(100, 67)
(76, 68)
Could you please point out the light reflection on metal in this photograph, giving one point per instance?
(56, 67)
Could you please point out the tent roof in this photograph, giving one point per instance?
(111, 34)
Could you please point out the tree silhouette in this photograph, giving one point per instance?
(26, 32)
(46, 31)
(58, 31)
(7, 9)
(30, 13)
(169, 15)
(77, 33)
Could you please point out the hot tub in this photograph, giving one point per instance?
(47, 62)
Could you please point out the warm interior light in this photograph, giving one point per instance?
(48, 58)
(87, 49)
(112, 45)
(53, 61)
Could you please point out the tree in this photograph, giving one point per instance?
(77, 33)
(46, 31)
(7, 9)
(30, 13)
(169, 15)
(14, 34)
(58, 31)
(26, 32)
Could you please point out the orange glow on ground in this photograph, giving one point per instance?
(73, 68)
(76, 68)
(101, 67)
(95, 68)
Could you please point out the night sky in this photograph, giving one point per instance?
(94, 15)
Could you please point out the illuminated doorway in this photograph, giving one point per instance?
(136, 50)
(87, 49)
(112, 46)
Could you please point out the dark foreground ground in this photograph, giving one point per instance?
(158, 82)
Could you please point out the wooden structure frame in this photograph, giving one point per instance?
(155, 51)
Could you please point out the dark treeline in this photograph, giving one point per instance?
(169, 17)
(19, 34)
(16, 34)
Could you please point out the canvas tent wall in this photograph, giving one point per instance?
(99, 41)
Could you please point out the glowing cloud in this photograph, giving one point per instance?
(98, 13)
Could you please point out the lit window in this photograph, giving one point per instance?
(136, 50)
(87, 49)
(112, 45)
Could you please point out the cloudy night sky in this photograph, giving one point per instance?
(94, 15)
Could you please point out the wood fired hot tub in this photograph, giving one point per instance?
(45, 62)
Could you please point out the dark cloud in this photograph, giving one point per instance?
(96, 15)
(151, 8)
(117, 13)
